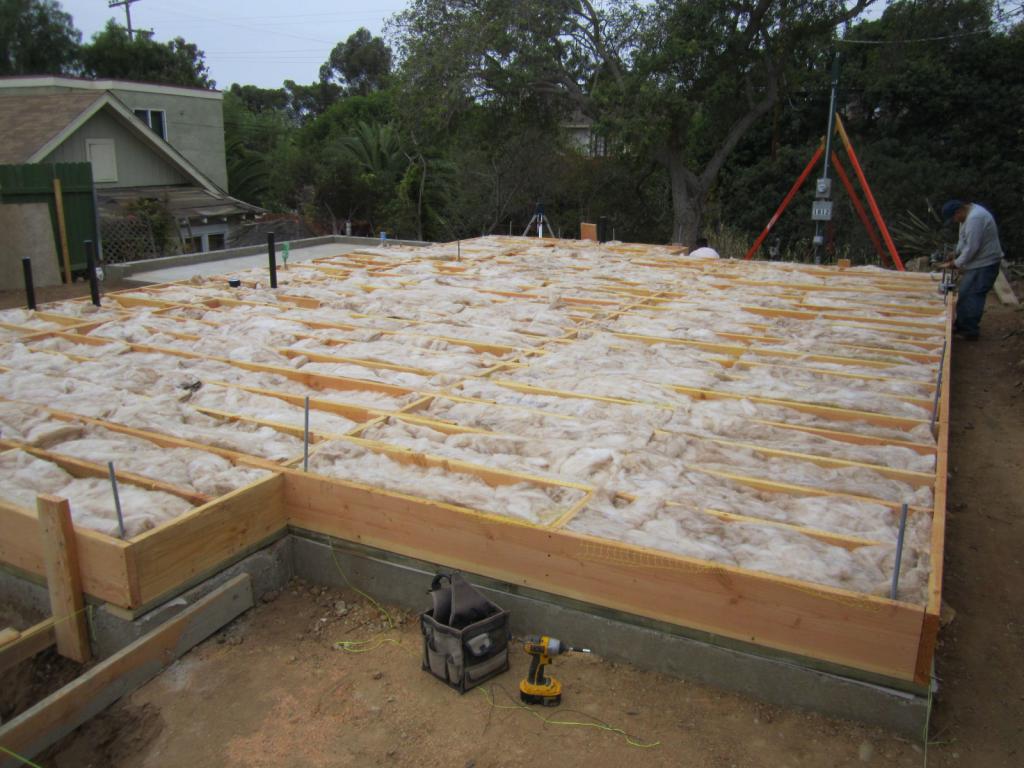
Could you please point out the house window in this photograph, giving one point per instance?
(156, 119)
(193, 244)
(215, 241)
(101, 155)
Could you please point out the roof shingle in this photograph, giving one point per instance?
(28, 121)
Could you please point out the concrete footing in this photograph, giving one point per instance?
(617, 637)
(776, 679)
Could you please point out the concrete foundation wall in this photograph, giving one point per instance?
(28, 231)
(123, 271)
(619, 638)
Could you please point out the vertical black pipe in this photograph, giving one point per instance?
(90, 268)
(272, 259)
(30, 289)
(602, 229)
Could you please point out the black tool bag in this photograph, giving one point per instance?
(465, 635)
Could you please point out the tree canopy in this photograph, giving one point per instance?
(37, 38)
(670, 117)
(362, 63)
(115, 55)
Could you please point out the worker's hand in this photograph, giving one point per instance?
(951, 264)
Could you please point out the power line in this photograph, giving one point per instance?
(937, 38)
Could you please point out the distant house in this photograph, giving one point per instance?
(144, 142)
(582, 137)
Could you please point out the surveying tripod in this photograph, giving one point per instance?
(539, 219)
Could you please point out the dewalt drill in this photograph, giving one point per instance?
(536, 688)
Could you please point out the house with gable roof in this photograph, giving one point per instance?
(143, 142)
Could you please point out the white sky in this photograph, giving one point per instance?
(247, 41)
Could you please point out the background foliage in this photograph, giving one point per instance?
(705, 114)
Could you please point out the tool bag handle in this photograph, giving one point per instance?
(442, 598)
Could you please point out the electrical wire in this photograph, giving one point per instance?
(596, 722)
(915, 40)
(377, 640)
(16, 756)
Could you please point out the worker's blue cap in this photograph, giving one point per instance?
(949, 208)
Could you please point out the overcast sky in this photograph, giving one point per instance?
(247, 41)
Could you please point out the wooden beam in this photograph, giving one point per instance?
(165, 558)
(102, 559)
(829, 412)
(860, 631)
(62, 228)
(63, 577)
(81, 468)
(57, 715)
(26, 644)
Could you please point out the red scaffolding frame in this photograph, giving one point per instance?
(889, 252)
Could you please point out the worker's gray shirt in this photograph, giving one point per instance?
(978, 245)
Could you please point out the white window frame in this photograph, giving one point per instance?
(97, 173)
(148, 120)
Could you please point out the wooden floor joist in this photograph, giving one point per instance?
(843, 361)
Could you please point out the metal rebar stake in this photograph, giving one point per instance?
(305, 439)
(938, 386)
(117, 498)
(893, 590)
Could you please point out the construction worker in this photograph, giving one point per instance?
(978, 254)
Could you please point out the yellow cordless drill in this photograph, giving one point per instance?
(536, 688)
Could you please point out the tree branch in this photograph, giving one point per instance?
(607, 57)
(739, 128)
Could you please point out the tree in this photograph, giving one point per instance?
(680, 82)
(37, 38)
(113, 54)
(362, 63)
(938, 103)
(258, 100)
(306, 102)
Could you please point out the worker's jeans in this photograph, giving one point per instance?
(970, 304)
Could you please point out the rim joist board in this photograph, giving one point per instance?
(613, 423)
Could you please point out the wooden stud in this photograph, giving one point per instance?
(63, 578)
(57, 715)
(62, 229)
(24, 645)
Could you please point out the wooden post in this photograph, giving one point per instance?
(58, 197)
(588, 231)
(63, 577)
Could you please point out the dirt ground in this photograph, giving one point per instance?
(273, 690)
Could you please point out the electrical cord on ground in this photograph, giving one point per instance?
(372, 643)
(596, 722)
(375, 642)
(16, 756)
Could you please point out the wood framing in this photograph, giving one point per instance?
(448, 361)
(57, 715)
(63, 578)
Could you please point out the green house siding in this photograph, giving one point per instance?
(137, 164)
(34, 184)
(195, 127)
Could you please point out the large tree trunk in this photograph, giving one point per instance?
(688, 197)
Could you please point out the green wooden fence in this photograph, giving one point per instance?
(34, 184)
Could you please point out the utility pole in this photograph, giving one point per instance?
(127, 12)
(821, 209)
